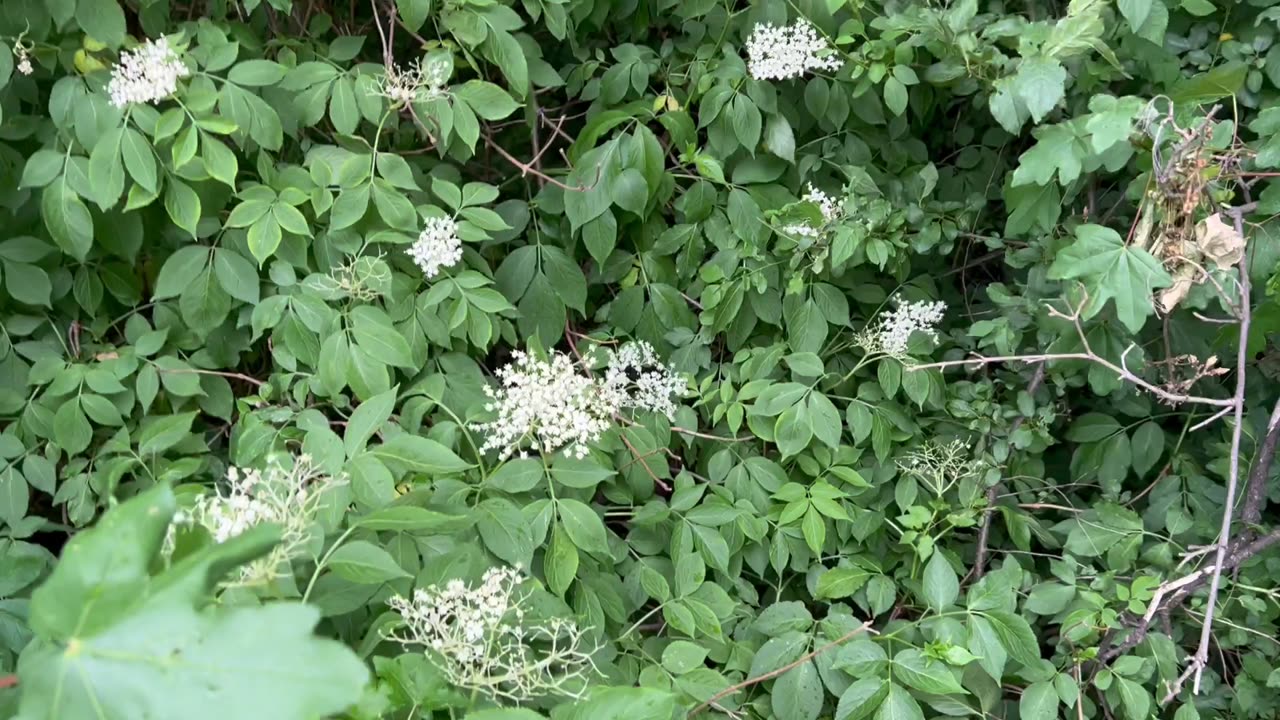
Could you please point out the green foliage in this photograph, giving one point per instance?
(334, 231)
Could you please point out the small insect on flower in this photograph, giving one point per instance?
(285, 495)
(788, 51)
(890, 332)
(438, 246)
(147, 74)
(480, 639)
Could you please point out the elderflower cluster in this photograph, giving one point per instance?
(438, 246)
(890, 333)
(788, 51)
(547, 404)
(286, 496)
(550, 406)
(828, 205)
(418, 82)
(146, 74)
(636, 378)
(22, 53)
(479, 639)
(939, 466)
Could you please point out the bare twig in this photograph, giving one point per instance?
(219, 373)
(864, 627)
(1242, 359)
(528, 169)
(1256, 493)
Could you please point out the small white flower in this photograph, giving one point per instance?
(418, 82)
(24, 66)
(789, 51)
(477, 640)
(549, 405)
(636, 378)
(147, 74)
(284, 496)
(890, 333)
(438, 246)
(830, 207)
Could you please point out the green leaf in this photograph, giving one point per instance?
(1041, 84)
(183, 205)
(365, 564)
(71, 428)
(941, 585)
(924, 674)
(1147, 447)
(862, 698)
(367, 419)
(103, 19)
(115, 642)
(899, 705)
(895, 95)
(798, 694)
(1111, 270)
(1039, 702)
(1016, 636)
(583, 525)
(68, 220)
(1222, 81)
(374, 333)
(504, 531)
(343, 111)
(519, 475)
(257, 73)
(419, 455)
(683, 656)
(139, 160)
(487, 100)
(841, 582)
(236, 275)
(1057, 151)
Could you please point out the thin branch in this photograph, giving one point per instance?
(864, 627)
(1228, 510)
(1172, 398)
(527, 169)
(1256, 493)
(236, 376)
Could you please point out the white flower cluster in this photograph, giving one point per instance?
(939, 466)
(828, 205)
(788, 51)
(146, 74)
(636, 378)
(551, 406)
(22, 53)
(284, 496)
(438, 246)
(418, 82)
(890, 333)
(479, 639)
(548, 404)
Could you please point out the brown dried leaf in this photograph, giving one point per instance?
(1219, 241)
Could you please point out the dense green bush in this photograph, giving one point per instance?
(588, 359)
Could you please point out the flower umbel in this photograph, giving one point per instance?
(147, 74)
(438, 246)
(788, 51)
(549, 405)
(939, 466)
(479, 639)
(636, 378)
(890, 333)
(285, 496)
(423, 79)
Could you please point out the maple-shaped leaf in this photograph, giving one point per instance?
(116, 642)
(1111, 270)
(1041, 84)
(1059, 149)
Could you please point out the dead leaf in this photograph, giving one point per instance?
(1219, 241)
